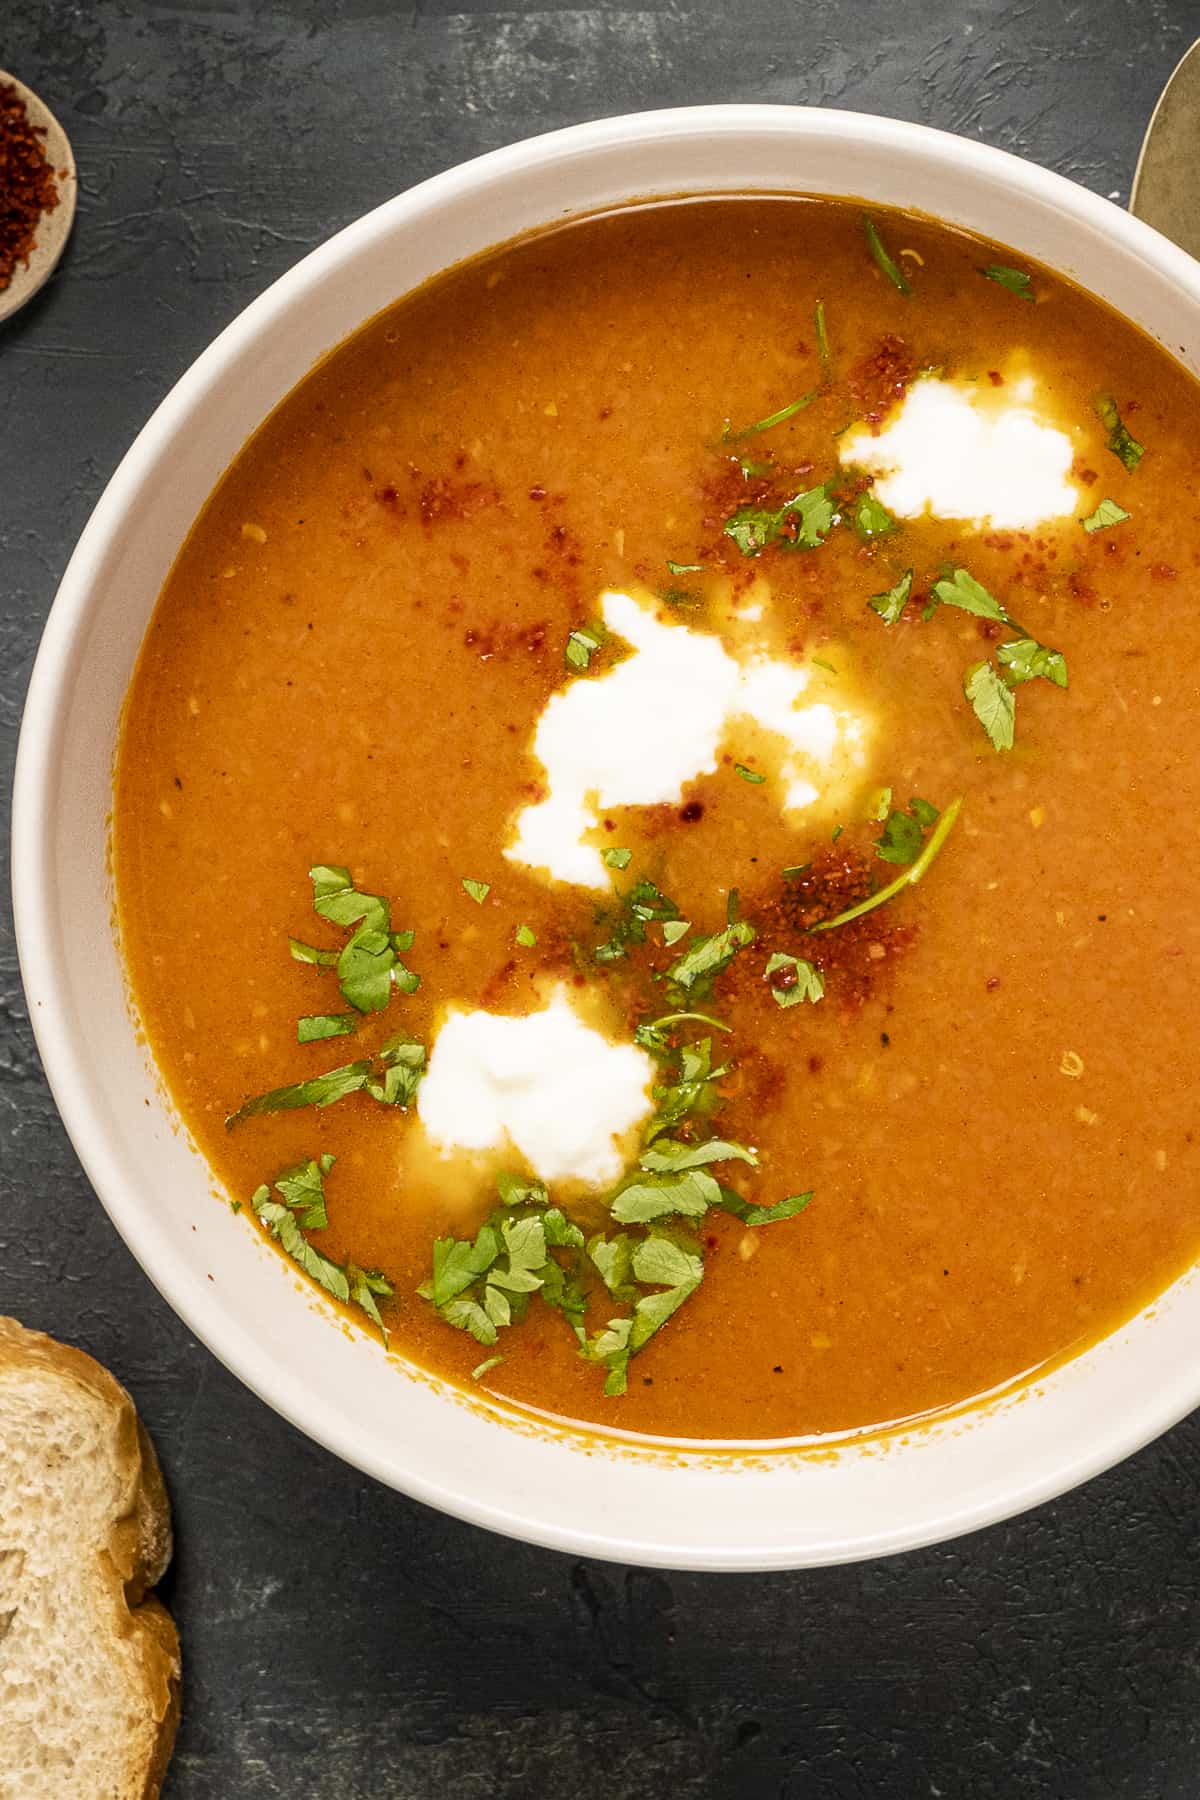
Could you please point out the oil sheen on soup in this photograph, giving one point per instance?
(654, 821)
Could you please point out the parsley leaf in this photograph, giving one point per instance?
(302, 1190)
(642, 905)
(404, 1065)
(694, 1093)
(678, 568)
(321, 1090)
(477, 891)
(483, 1368)
(582, 645)
(889, 606)
(901, 839)
(652, 1036)
(751, 775)
(801, 523)
(687, 1194)
(316, 1026)
(617, 859)
(993, 703)
(365, 967)
(1015, 280)
(763, 1215)
(613, 1259)
(1123, 445)
(872, 518)
(793, 979)
(1108, 513)
(307, 953)
(728, 436)
(910, 877)
(667, 1157)
(876, 246)
(1025, 660)
(962, 590)
(822, 339)
(695, 971)
(923, 812)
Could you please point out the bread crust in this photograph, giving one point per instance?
(138, 1541)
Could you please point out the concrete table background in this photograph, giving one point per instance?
(341, 1641)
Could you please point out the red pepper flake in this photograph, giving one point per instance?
(27, 185)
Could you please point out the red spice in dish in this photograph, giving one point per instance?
(27, 185)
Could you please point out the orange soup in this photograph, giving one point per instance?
(654, 821)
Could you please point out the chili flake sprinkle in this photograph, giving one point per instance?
(27, 185)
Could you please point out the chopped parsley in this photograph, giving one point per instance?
(962, 590)
(617, 859)
(1121, 442)
(695, 971)
(369, 964)
(889, 606)
(678, 568)
(301, 1208)
(909, 878)
(822, 340)
(729, 436)
(1107, 514)
(1015, 280)
(477, 891)
(526, 937)
(764, 1215)
(751, 775)
(878, 250)
(801, 523)
(642, 905)
(1025, 659)
(316, 1026)
(872, 518)
(993, 703)
(902, 838)
(792, 979)
(582, 645)
(321, 1090)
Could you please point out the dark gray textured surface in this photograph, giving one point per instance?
(341, 1641)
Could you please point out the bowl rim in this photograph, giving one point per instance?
(40, 745)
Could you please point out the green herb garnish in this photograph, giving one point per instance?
(993, 703)
(794, 980)
(970, 596)
(678, 568)
(876, 246)
(526, 937)
(1121, 442)
(1025, 660)
(751, 775)
(729, 436)
(901, 839)
(909, 878)
(477, 891)
(872, 518)
(321, 1090)
(1015, 280)
(303, 1208)
(617, 859)
(644, 904)
(696, 970)
(582, 645)
(1107, 514)
(763, 1215)
(889, 606)
(317, 1026)
(801, 523)
(368, 965)
(822, 339)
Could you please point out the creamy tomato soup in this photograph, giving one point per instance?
(654, 825)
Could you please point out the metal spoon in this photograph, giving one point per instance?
(1166, 193)
(54, 227)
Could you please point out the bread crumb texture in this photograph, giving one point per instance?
(89, 1660)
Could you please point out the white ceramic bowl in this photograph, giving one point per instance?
(772, 1509)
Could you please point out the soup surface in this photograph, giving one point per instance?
(616, 615)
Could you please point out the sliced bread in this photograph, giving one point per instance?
(89, 1660)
